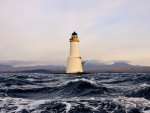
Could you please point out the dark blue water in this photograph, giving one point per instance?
(88, 93)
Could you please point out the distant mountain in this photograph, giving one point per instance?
(4, 66)
(43, 71)
(115, 67)
(38, 68)
(89, 67)
(93, 64)
(121, 64)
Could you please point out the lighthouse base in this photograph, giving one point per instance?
(74, 65)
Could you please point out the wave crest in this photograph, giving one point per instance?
(141, 91)
(80, 87)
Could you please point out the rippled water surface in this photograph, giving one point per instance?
(87, 93)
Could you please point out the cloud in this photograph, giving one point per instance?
(38, 30)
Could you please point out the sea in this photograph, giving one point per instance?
(77, 93)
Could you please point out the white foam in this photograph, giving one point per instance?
(129, 103)
(68, 106)
(83, 79)
(144, 85)
(20, 104)
(147, 111)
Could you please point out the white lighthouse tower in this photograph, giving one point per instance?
(74, 63)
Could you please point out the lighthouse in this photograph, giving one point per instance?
(74, 62)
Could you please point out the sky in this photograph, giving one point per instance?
(38, 31)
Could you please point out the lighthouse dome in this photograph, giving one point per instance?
(74, 33)
(74, 37)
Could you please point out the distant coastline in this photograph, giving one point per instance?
(89, 67)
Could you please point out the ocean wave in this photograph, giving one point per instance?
(101, 105)
(7, 82)
(87, 93)
(28, 92)
(133, 105)
(80, 87)
(141, 91)
(77, 87)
